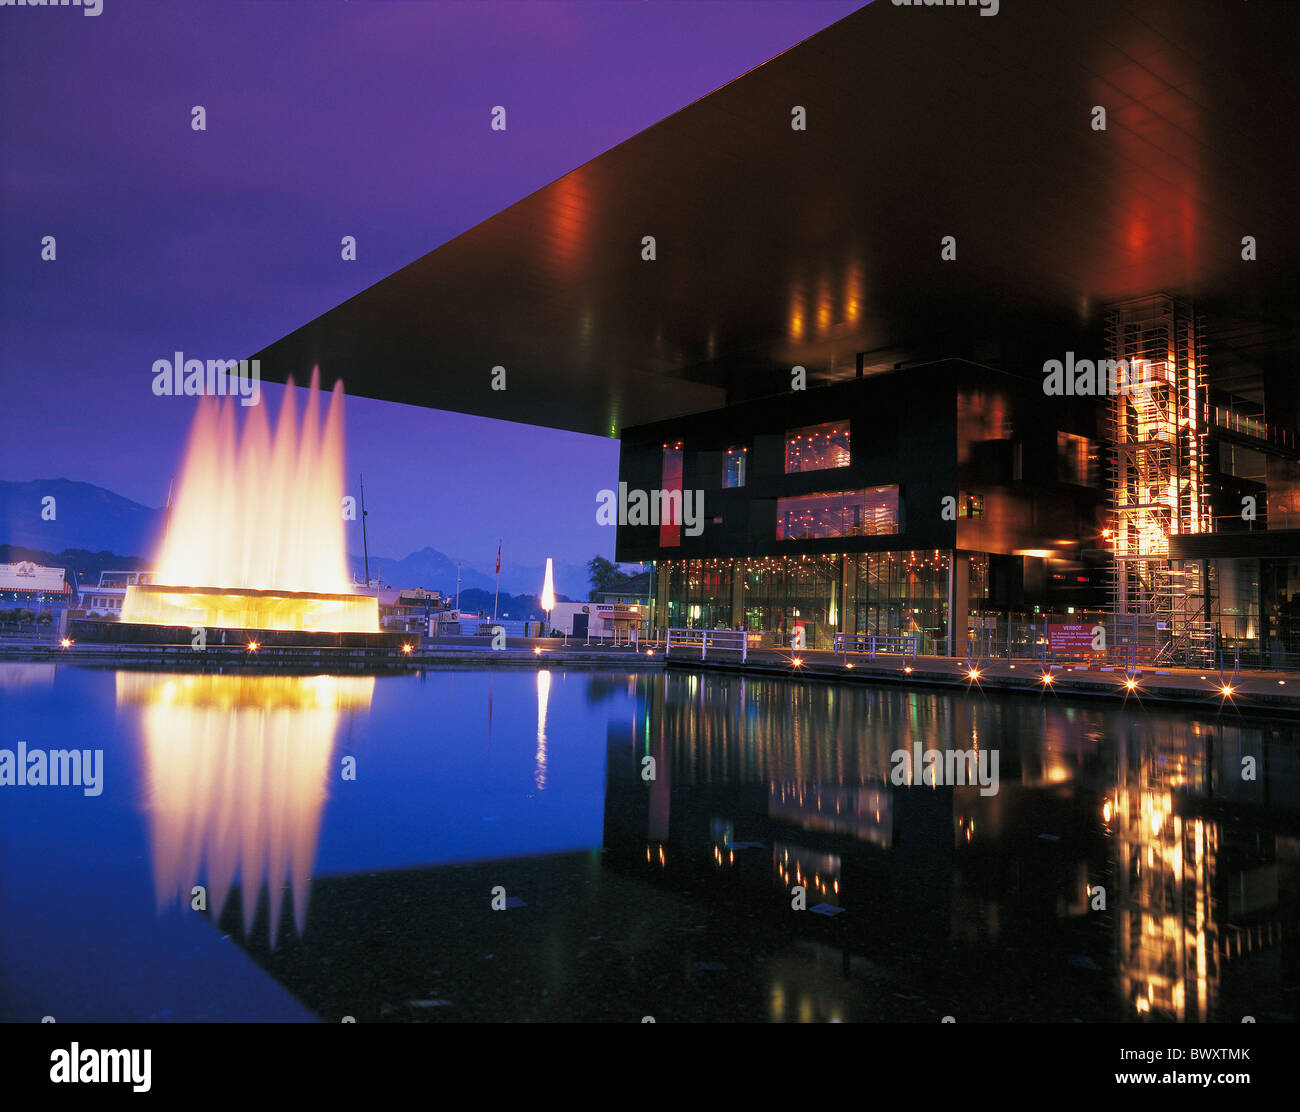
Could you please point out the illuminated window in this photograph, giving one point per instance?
(970, 505)
(847, 513)
(670, 523)
(733, 467)
(817, 447)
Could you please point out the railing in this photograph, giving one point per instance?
(1220, 645)
(1254, 427)
(875, 643)
(728, 640)
(1261, 522)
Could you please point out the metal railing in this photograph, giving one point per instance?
(1220, 645)
(728, 640)
(1254, 427)
(872, 643)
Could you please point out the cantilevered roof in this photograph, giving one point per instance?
(778, 246)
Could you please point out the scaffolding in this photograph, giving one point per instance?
(1157, 425)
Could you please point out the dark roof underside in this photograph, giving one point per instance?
(778, 247)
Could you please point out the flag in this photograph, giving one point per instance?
(498, 557)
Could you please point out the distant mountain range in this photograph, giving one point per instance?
(81, 516)
(90, 519)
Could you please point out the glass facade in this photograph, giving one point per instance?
(817, 447)
(699, 594)
(733, 468)
(847, 513)
(901, 593)
(865, 592)
(1280, 594)
(781, 593)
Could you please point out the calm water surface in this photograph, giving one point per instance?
(348, 835)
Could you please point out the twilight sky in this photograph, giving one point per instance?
(325, 118)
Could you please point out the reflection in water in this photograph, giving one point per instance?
(1167, 929)
(236, 770)
(866, 813)
(1126, 847)
(1125, 869)
(543, 698)
(17, 676)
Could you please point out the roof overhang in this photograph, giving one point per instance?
(777, 246)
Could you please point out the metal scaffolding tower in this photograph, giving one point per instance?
(1157, 424)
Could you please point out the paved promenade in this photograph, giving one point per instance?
(1273, 692)
(1262, 692)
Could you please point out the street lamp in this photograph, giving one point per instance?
(548, 595)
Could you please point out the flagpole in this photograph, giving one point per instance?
(498, 591)
(365, 548)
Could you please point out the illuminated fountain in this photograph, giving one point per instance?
(255, 536)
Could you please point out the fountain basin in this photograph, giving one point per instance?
(244, 608)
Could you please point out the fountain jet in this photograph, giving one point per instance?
(255, 539)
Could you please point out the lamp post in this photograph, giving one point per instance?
(548, 595)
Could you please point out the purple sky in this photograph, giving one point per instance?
(367, 118)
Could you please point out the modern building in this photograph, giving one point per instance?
(907, 195)
(870, 506)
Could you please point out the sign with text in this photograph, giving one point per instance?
(1071, 640)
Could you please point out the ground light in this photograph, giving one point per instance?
(406, 648)
(253, 646)
(66, 643)
(972, 673)
(537, 652)
(797, 662)
(1047, 678)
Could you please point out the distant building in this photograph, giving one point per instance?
(104, 600)
(407, 608)
(27, 583)
(636, 591)
(600, 619)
